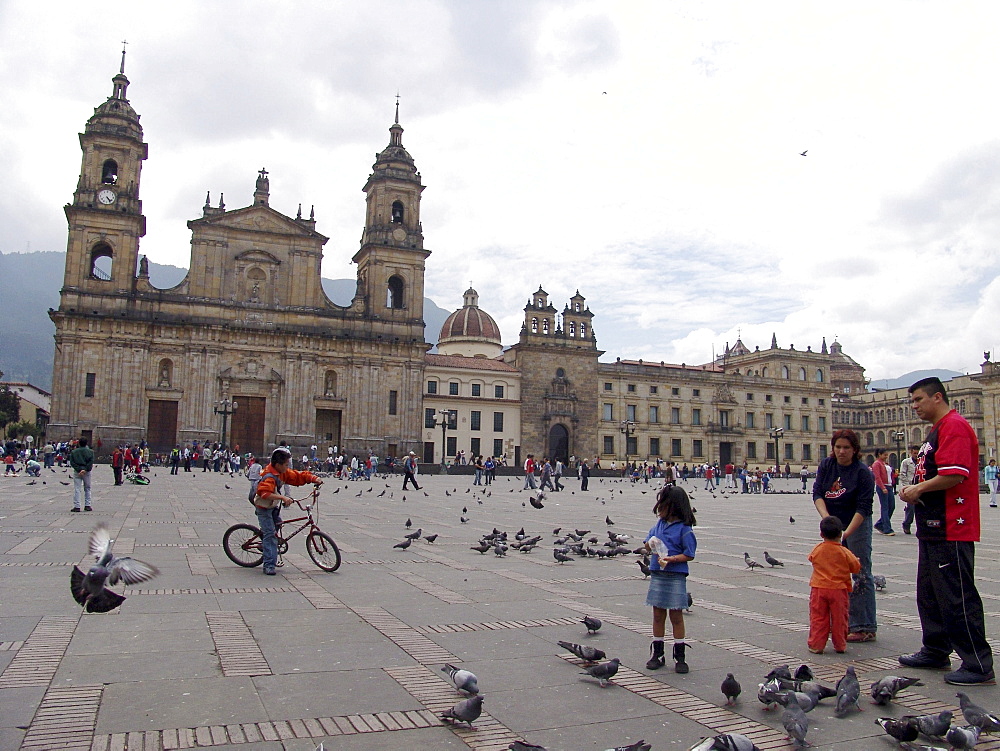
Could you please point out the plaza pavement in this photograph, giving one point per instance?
(212, 655)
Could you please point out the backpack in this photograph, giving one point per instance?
(255, 483)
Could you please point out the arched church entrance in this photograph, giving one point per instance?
(558, 447)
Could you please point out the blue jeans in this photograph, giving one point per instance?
(479, 477)
(887, 505)
(862, 610)
(81, 490)
(268, 519)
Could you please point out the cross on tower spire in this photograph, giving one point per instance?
(122, 69)
(397, 106)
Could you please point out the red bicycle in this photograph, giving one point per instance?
(243, 543)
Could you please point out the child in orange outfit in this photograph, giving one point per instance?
(833, 565)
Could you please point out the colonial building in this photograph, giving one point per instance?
(250, 324)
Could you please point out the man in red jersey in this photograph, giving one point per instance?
(946, 494)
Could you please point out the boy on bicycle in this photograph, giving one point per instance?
(269, 500)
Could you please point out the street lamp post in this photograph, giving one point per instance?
(898, 436)
(776, 434)
(627, 429)
(225, 407)
(443, 416)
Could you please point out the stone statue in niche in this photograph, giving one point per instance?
(164, 375)
(330, 385)
(255, 293)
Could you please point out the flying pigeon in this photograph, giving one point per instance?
(593, 624)
(902, 729)
(848, 692)
(464, 680)
(751, 564)
(731, 689)
(586, 653)
(772, 562)
(885, 689)
(796, 724)
(604, 671)
(466, 710)
(89, 589)
(976, 715)
(536, 500)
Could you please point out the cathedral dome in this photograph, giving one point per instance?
(470, 331)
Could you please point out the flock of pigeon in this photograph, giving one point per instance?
(800, 694)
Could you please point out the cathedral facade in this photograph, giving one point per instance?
(249, 334)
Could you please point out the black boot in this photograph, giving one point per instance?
(680, 666)
(656, 659)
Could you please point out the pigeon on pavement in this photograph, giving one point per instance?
(879, 582)
(725, 742)
(807, 702)
(637, 746)
(464, 680)
(604, 671)
(467, 710)
(772, 562)
(781, 673)
(560, 557)
(848, 692)
(525, 746)
(89, 589)
(796, 724)
(934, 725)
(731, 689)
(885, 689)
(976, 715)
(963, 737)
(481, 548)
(414, 535)
(803, 673)
(430, 538)
(643, 567)
(751, 564)
(403, 545)
(589, 654)
(593, 624)
(902, 729)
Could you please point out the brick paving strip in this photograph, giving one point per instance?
(33, 564)
(455, 628)
(434, 590)
(27, 546)
(486, 734)
(629, 624)
(200, 564)
(10, 646)
(208, 591)
(279, 730)
(716, 718)
(234, 644)
(37, 660)
(308, 587)
(404, 636)
(65, 719)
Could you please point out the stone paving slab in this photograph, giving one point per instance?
(209, 654)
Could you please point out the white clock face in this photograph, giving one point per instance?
(106, 196)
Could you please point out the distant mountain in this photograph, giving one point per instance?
(30, 284)
(907, 379)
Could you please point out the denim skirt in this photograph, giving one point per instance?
(667, 590)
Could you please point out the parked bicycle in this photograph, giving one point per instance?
(243, 543)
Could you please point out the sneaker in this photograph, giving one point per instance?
(890, 533)
(269, 571)
(816, 651)
(923, 660)
(965, 677)
(88, 508)
(860, 636)
(76, 510)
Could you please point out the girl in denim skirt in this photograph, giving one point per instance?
(672, 544)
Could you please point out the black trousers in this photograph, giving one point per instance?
(408, 477)
(951, 611)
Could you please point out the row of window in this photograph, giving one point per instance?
(895, 414)
(788, 450)
(475, 447)
(632, 388)
(571, 327)
(477, 389)
(724, 415)
(475, 420)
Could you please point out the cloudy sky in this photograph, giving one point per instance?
(647, 154)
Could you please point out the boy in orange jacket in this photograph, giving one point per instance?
(269, 500)
(829, 599)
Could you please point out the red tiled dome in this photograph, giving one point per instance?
(470, 322)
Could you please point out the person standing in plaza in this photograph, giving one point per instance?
(830, 588)
(907, 475)
(529, 473)
(175, 459)
(81, 460)
(557, 474)
(117, 463)
(845, 488)
(410, 471)
(990, 475)
(584, 475)
(547, 476)
(883, 487)
(946, 496)
(672, 544)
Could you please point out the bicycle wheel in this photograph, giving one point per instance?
(242, 543)
(323, 550)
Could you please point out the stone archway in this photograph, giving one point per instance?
(558, 443)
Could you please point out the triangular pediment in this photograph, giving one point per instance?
(257, 219)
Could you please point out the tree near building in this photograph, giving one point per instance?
(10, 405)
